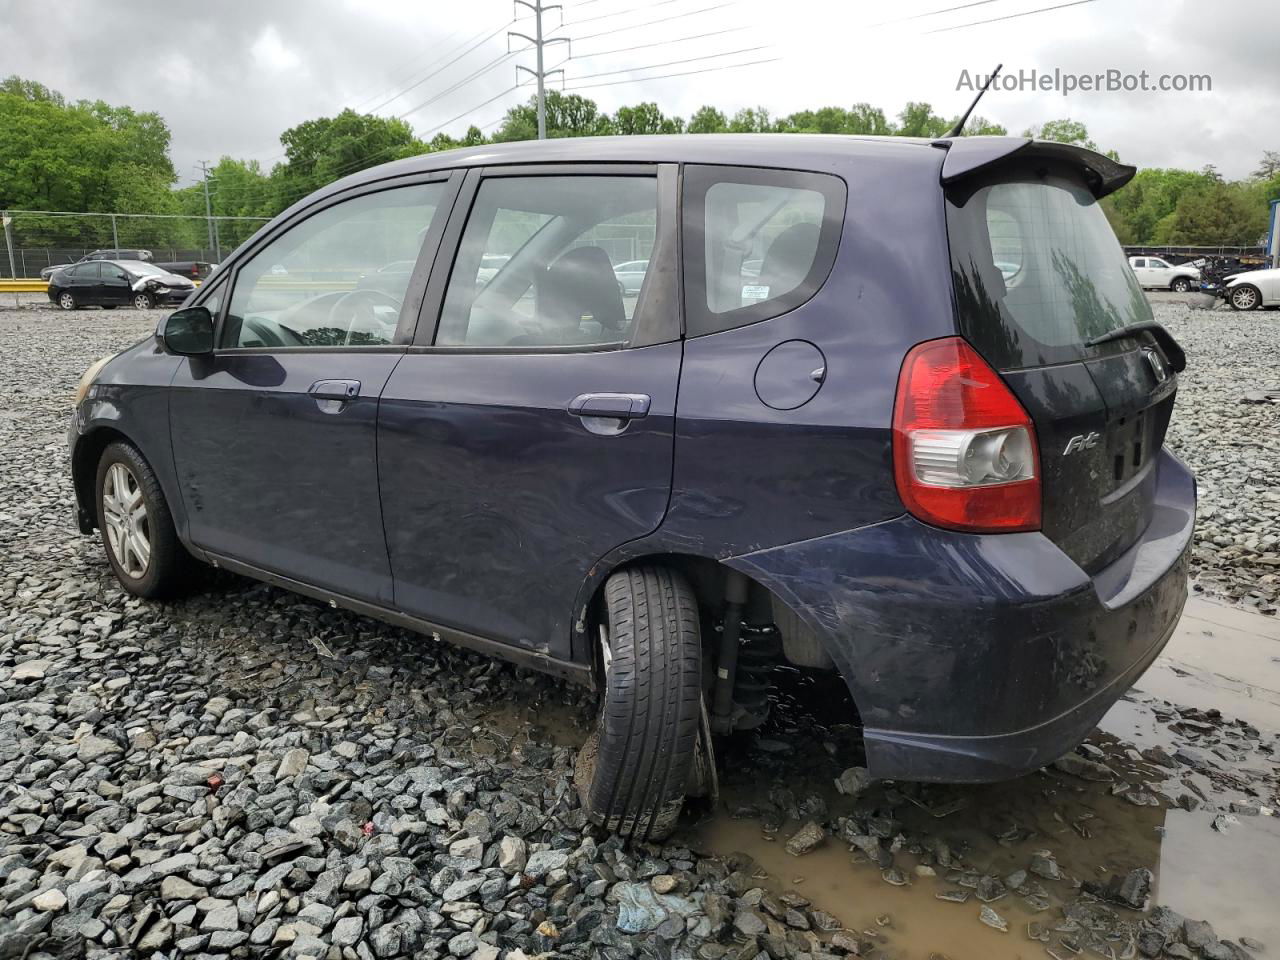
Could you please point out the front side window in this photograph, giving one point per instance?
(325, 282)
(758, 242)
(111, 272)
(539, 262)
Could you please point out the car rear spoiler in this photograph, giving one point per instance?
(969, 155)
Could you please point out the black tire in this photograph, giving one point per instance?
(143, 301)
(634, 771)
(1180, 285)
(67, 300)
(1242, 291)
(169, 567)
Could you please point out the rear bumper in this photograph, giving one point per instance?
(977, 658)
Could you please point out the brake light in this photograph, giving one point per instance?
(964, 450)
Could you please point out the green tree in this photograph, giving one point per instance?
(749, 120)
(982, 127)
(708, 120)
(1062, 131)
(1215, 213)
(645, 118)
(567, 115)
(322, 150)
(919, 120)
(1269, 166)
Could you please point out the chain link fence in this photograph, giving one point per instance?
(36, 239)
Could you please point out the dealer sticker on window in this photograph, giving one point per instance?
(755, 291)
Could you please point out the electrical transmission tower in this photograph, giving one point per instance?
(539, 41)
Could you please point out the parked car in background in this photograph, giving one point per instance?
(630, 276)
(192, 269)
(1156, 274)
(878, 458)
(116, 283)
(1251, 290)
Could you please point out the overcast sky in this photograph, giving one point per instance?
(229, 76)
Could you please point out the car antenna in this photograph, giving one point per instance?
(959, 127)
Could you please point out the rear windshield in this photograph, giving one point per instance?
(1037, 269)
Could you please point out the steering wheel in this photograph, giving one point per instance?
(354, 311)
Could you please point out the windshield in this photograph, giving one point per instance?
(1037, 270)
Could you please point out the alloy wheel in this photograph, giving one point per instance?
(141, 302)
(1244, 298)
(67, 301)
(124, 512)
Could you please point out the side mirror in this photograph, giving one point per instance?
(187, 332)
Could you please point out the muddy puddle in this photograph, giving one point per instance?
(1053, 856)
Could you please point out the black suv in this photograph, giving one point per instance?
(888, 407)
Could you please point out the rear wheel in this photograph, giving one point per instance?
(634, 771)
(1245, 297)
(66, 300)
(142, 301)
(1181, 285)
(137, 527)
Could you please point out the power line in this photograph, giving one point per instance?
(416, 57)
(656, 43)
(1012, 16)
(496, 61)
(933, 13)
(671, 63)
(619, 13)
(446, 66)
(665, 76)
(651, 23)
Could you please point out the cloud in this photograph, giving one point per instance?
(229, 77)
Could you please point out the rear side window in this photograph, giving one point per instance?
(758, 242)
(539, 264)
(1037, 269)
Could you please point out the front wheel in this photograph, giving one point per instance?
(1181, 285)
(1245, 297)
(635, 769)
(137, 527)
(142, 301)
(66, 300)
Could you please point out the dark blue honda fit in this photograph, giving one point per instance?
(660, 413)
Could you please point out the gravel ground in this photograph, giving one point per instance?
(248, 772)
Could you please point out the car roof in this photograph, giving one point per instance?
(797, 151)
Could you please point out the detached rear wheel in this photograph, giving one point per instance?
(137, 527)
(634, 770)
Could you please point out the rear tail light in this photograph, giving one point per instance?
(964, 450)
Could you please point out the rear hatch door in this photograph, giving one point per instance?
(1040, 283)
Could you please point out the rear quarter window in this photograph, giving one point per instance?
(758, 242)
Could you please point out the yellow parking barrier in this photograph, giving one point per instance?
(24, 286)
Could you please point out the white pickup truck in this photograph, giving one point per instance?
(1155, 274)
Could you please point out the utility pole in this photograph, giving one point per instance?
(539, 41)
(208, 213)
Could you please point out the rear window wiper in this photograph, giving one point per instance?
(1173, 351)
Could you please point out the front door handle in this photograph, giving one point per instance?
(335, 389)
(614, 406)
(331, 396)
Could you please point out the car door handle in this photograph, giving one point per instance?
(335, 389)
(616, 406)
